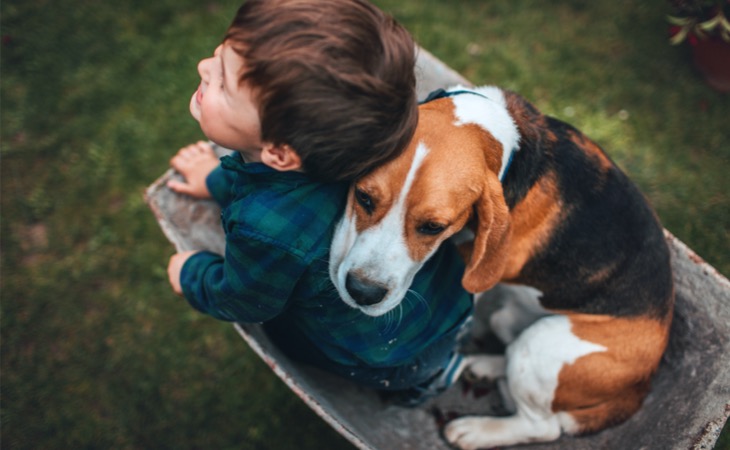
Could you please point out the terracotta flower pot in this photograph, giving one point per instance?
(711, 56)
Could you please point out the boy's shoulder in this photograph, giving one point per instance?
(285, 209)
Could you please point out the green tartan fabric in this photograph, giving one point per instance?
(278, 228)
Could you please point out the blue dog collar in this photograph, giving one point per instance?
(442, 93)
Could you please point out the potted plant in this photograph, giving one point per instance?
(705, 26)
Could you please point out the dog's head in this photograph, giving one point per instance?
(398, 215)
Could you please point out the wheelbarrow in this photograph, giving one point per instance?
(687, 408)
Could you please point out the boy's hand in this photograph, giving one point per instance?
(194, 162)
(175, 267)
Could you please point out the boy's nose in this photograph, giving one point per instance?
(204, 65)
(204, 68)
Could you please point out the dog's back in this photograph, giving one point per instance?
(607, 253)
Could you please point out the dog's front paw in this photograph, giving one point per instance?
(467, 433)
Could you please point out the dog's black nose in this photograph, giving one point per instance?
(364, 292)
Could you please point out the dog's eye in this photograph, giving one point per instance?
(364, 200)
(430, 228)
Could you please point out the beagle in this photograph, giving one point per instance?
(589, 294)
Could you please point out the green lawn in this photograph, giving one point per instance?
(96, 350)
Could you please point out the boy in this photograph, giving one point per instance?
(312, 94)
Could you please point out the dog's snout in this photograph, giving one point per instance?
(364, 292)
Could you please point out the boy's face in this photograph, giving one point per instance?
(225, 109)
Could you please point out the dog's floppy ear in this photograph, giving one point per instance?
(488, 256)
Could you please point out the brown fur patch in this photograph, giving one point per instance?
(605, 388)
(592, 150)
(383, 186)
(383, 194)
(533, 221)
(436, 195)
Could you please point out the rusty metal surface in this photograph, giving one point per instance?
(686, 409)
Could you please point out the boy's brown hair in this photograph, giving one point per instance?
(334, 80)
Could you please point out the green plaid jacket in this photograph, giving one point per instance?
(278, 228)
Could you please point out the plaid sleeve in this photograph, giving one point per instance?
(251, 284)
(219, 183)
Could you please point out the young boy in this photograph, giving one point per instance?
(312, 94)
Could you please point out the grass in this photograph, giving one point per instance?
(96, 350)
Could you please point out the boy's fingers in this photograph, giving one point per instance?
(181, 162)
(204, 147)
(179, 186)
(194, 163)
(178, 160)
(191, 155)
(189, 151)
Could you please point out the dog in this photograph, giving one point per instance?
(562, 229)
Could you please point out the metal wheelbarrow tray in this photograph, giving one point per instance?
(687, 407)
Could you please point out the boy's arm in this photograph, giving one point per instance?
(251, 284)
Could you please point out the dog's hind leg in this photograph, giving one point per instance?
(486, 367)
(520, 309)
(492, 368)
(534, 362)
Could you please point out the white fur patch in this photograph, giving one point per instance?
(536, 357)
(380, 254)
(534, 361)
(491, 114)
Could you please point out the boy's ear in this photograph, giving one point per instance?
(281, 157)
